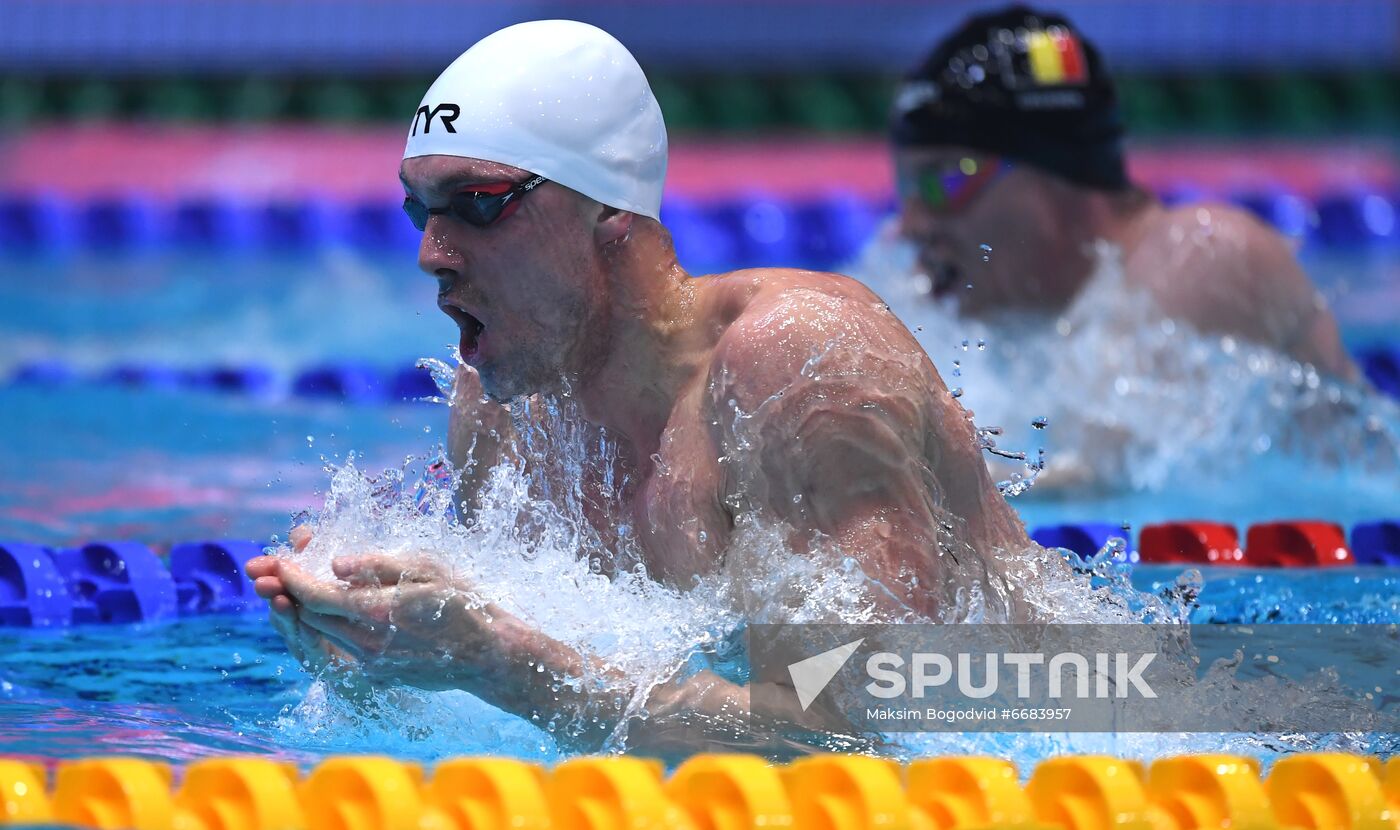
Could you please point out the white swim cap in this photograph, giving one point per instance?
(558, 98)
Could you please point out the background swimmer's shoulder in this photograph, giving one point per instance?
(1222, 270)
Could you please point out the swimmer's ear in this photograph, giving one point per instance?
(613, 225)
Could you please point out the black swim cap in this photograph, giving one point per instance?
(1021, 84)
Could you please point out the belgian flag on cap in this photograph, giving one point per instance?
(1056, 57)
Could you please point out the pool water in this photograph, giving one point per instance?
(86, 461)
(204, 686)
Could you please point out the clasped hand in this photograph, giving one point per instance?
(382, 620)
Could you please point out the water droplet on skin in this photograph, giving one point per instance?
(986, 252)
(956, 391)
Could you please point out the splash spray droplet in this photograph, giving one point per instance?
(986, 252)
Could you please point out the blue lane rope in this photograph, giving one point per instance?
(360, 382)
(126, 582)
(755, 228)
(122, 582)
(342, 381)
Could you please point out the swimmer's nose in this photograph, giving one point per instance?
(436, 255)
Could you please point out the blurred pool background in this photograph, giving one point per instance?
(206, 283)
(208, 291)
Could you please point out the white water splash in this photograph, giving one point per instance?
(532, 550)
(1136, 400)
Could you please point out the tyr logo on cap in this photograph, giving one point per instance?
(439, 111)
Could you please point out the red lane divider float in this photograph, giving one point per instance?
(1212, 543)
(1320, 544)
(1300, 543)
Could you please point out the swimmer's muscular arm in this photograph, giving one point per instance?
(850, 442)
(845, 452)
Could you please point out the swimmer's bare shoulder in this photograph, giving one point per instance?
(1222, 270)
(854, 433)
(775, 320)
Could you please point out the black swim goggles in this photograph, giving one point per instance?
(478, 204)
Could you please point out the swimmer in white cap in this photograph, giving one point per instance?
(535, 168)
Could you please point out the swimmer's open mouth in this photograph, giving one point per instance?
(470, 327)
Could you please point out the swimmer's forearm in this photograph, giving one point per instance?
(703, 712)
(529, 674)
(707, 713)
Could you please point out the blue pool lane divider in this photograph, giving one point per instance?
(116, 582)
(352, 381)
(1376, 543)
(745, 229)
(1084, 539)
(209, 576)
(33, 592)
(122, 582)
(360, 382)
(125, 582)
(1381, 365)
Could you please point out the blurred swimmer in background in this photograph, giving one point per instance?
(1009, 135)
(534, 168)
(1018, 219)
